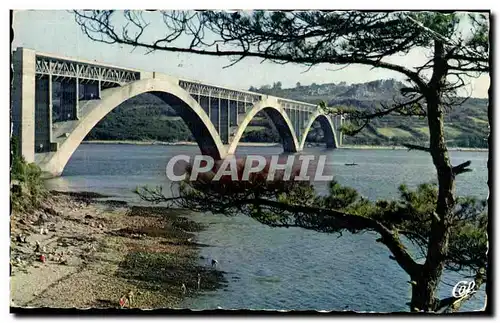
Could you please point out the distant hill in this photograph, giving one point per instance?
(465, 125)
(147, 118)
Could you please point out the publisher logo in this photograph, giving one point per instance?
(290, 168)
(463, 288)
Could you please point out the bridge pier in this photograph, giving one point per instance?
(23, 102)
(77, 97)
(50, 109)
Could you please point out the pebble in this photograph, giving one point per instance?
(37, 247)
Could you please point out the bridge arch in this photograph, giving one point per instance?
(327, 127)
(171, 93)
(279, 119)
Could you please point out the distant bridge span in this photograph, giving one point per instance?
(56, 101)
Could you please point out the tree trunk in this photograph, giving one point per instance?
(423, 292)
(425, 285)
(424, 289)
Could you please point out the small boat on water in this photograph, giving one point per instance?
(351, 164)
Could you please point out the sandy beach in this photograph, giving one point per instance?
(79, 253)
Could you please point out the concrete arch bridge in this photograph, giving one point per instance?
(56, 101)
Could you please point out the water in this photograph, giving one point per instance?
(276, 268)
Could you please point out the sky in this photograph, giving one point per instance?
(56, 32)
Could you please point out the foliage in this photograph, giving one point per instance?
(264, 135)
(26, 189)
(141, 120)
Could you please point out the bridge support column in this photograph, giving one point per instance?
(77, 98)
(23, 102)
(50, 108)
(209, 105)
(238, 112)
(228, 108)
(341, 135)
(218, 121)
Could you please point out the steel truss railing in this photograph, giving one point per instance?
(194, 88)
(63, 68)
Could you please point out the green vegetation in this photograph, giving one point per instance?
(479, 120)
(26, 189)
(393, 132)
(141, 120)
(256, 128)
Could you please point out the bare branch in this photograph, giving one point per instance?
(416, 147)
(462, 168)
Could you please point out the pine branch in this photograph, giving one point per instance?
(462, 168)
(416, 147)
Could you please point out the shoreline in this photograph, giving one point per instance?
(95, 252)
(166, 143)
(405, 148)
(262, 144)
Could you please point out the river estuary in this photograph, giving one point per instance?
(287, 268)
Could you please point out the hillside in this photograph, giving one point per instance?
(465, 126)
(148, 118)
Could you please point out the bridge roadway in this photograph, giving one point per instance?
(57, 100)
